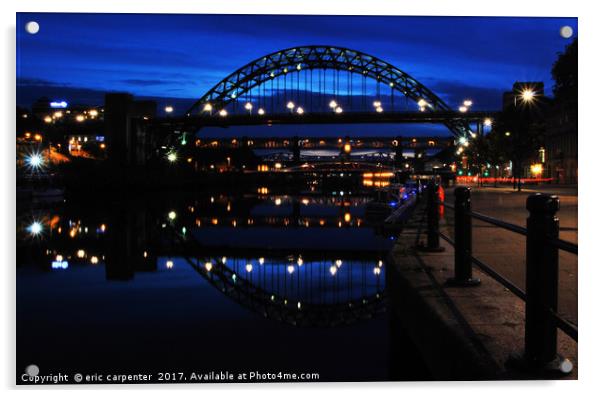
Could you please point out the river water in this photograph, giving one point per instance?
(212, 282)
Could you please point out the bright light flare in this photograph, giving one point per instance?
(35, 160)
(35, 228)
(527, 95)
(172, 156)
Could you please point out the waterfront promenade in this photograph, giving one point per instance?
(505, 251)
(469, 333)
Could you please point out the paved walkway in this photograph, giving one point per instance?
(475, 329)
(505, 251)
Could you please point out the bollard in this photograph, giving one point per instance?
(542, 286)
(462, 240)
(432, 242)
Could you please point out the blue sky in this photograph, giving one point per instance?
(177, 58)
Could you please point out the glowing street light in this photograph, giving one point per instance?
(377, 104)
(260, 112)
(168, 109)
(290, 105)
(467, 103)
(172, 156)
(249, 267)
(338, 109)
(527, 95)
(487, 122)
(422, 103)
(223, 113)
(463, 109)
(172, 215)
(379, 109)
(80, 118)
(47, 119)
(249, 107)
(207, 107)
(300, 111)
(35, 228)
(332, 104)
(35, 160)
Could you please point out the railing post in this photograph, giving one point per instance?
(462, 240)
(542, 285)
(432, 239)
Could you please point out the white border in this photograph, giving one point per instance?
(590, 147)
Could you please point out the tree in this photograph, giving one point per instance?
(564, 73)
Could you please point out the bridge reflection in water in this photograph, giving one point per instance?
(308, 268)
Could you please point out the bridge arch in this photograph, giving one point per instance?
(296, 59)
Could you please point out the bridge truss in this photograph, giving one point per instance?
(269, 81)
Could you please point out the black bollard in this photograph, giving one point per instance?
(542, 286)
(463, 240)
(432, 242)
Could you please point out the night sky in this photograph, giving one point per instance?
(177, 58)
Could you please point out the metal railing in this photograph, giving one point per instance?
(541, 294)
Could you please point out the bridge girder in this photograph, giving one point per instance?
(295, 59)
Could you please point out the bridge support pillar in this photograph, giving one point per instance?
(295, 148)
(127, 139)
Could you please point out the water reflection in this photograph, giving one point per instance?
(307, 261)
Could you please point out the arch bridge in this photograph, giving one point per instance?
(323, 84)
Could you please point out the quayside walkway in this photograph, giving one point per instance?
(469, 331)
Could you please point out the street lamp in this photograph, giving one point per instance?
(379, 109)
(467, 103)
(338, 109)
(168, 109)
(223, 113)
(463, 109)
(172, 156)
(207, 107)
(260, 111)
(527, 95)
(487, 122)
(300, 111)
(333, 104)
(290, 105)
(249, 107)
